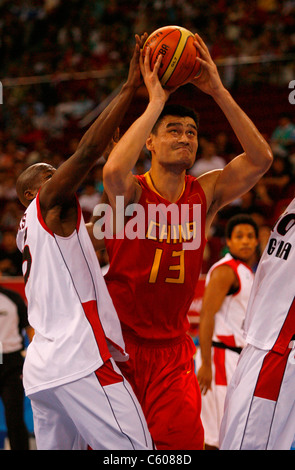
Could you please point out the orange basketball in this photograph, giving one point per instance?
(176, 44)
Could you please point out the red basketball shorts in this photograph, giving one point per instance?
(163, 378)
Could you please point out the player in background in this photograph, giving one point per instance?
(152, 280)
(227, 290)
(259, 409)
(79, 397)
(13, 324)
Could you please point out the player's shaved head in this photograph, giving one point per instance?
(30, 180)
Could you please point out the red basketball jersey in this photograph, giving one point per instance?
(152, 278)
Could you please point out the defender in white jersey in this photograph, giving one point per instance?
(227, 291)
(259, 407)
(79, 397)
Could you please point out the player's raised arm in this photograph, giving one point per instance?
(242, 173)
(67, 179)
(117, 172)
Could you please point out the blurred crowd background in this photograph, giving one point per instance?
(61, 60)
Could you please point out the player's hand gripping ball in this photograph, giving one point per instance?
(176, 45)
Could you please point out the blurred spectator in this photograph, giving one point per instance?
(30, 134)
(208, 160)
(224, 147)
(278, 182)
(97, 176)
(88, 199)
(7, 186)
(10, 256)
(264, 233)
(38, 153)
(51, 122)
(74, 106)
(10, 154)
(83, 104)
(244, 204)
(10, 215)
(283, 136)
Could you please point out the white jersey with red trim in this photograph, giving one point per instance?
(271, 306)
(230, 318)
(69, 307)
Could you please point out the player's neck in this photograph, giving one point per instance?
(168, 184)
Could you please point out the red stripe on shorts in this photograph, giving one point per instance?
(271, 375)
(229, 340)
(219, 362)
(107, 375)
(274, 364)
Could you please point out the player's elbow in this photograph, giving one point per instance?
(113, 177)
(268, 156)
(111, 172)
(262, 159)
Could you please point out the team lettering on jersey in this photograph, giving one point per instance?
(171, 233)
(26, 254)
(22, 223)
(281, 248)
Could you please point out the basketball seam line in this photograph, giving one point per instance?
(178, 51)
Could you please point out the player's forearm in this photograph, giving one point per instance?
(205, 336)
(124, 156)
(251, 140)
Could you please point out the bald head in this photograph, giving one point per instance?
(30, 181)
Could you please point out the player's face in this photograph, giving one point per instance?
(243, 242)
(48, 173)
(44, 174)
(40, 173)
(175, 142)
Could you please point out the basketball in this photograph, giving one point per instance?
(176, 44)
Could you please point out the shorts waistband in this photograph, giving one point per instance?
(225, 346)
(154, 343)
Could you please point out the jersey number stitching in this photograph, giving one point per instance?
(28, 258)
(177, 267)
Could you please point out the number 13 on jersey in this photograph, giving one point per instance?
(173, 267)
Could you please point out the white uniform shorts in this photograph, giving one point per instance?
(260, 402)
(99, 411)
(224, 362)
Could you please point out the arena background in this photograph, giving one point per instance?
(62, 61)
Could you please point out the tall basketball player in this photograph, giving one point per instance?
(79, 397)
(152, 277)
